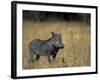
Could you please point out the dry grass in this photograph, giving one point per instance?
(75, 36)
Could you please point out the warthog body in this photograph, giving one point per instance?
(47, 48)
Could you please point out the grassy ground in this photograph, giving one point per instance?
(75, 36)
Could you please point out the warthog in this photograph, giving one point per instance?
(47, 48)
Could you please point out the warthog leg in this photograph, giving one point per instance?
(54, 56)
(32, 54)
(49, 58)
(37, 57)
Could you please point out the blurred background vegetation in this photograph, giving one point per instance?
(40, 16)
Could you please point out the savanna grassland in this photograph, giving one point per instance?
(75, 36)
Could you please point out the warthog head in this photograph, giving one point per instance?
(57, 41)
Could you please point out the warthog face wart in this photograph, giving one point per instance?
(47, 48)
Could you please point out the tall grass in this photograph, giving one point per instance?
(76, 39)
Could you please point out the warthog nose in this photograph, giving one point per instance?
(62, 47)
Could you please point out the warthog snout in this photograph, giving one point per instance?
(61, 46)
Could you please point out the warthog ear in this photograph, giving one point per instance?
(55, 33)
(52, 33)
